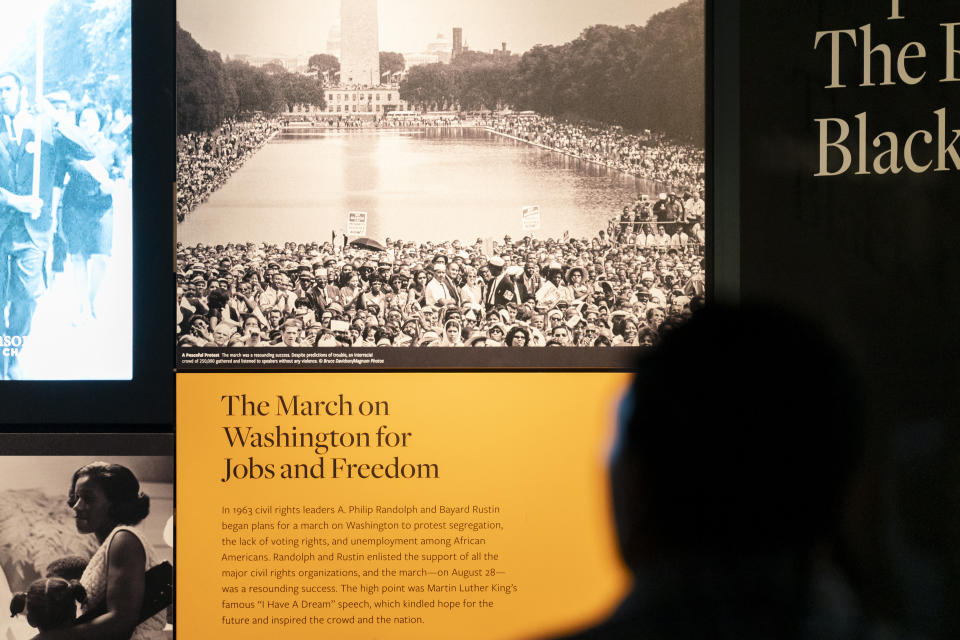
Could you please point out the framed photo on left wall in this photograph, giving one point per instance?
(86, 175)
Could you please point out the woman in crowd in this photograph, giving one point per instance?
(576, 277)
(87, 222)
(252, 331)
(350, 289)
(625, 331)
(655, 318)
(472, 292)
(418, 287)
(219, 309)
(495, 335)
(451, 334)
(517, 337)
(646, 337)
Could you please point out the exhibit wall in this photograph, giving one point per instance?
(398, 384)
(351, 355)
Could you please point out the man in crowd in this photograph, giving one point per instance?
(503, 287)
(28, 203)
(439, 290)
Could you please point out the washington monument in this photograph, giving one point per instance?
(359, 43)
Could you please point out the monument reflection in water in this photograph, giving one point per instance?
(436, 185)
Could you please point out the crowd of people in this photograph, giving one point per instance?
(650, 156)
(205, 161)
(608, 290)
(383, 122)
(621, 287)
(672, 221)
(63, 161)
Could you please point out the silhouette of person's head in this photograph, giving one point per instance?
(737, 441)
(738, 437)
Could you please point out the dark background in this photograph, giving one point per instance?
(873, 258)
(146, 402)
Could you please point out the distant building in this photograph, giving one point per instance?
(502, 51)
(369, 104)
(290, 63)
(414, 59)
(374, 102)
(457, 42)
(359, 44)
(440, 47)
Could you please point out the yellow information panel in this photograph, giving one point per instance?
(417, 505)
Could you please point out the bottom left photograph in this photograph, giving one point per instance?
(86, 540)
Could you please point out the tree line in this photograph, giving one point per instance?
(640, 77)
(86, 52)
(325, 64)
(210, 90)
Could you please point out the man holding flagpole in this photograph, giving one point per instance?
(29, 187)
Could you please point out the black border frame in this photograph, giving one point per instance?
(723, 150)
(81, 444)
(148, 398)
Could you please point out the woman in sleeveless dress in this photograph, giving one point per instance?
(108, 503)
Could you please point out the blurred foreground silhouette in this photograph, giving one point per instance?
(729, 509)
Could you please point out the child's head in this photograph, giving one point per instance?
(68, 568)
(51, 603)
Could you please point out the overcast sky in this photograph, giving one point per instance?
(17, 16)
(295, 27)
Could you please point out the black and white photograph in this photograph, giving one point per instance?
(65, 202)
(66, 519)
(357, 179)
